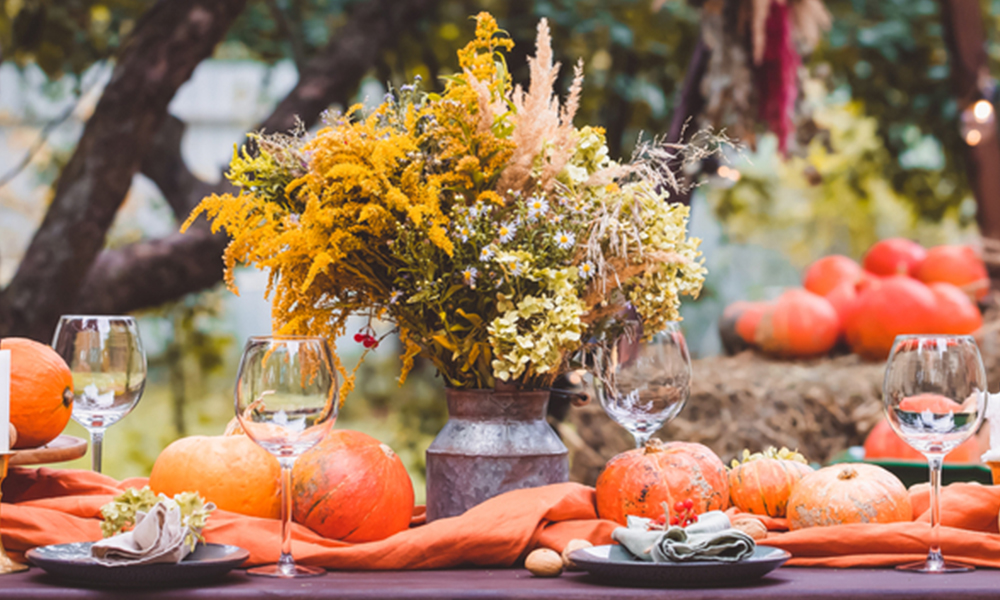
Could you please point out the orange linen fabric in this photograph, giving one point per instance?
(47, 506)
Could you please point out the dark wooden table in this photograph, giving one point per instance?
(854, 584)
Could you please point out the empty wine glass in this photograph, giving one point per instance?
(105, 355)
(286, 401)
(935, 396)
(642, 383)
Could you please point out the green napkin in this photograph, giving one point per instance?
(710, 538)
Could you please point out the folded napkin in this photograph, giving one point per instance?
(710, 538)
(159, 536)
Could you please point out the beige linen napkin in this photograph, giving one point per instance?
(158, 537)
(710, 538)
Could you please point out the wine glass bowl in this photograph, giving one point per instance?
(643, 383)
(286, 402)
(935, 395)
(105, 356)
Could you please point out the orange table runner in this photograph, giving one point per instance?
(50, 506)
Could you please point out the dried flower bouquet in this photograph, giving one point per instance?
(494, 234)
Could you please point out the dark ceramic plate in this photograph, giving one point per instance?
(615, 565)
(71, 563)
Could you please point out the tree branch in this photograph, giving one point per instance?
(329, 77)
(169, 41)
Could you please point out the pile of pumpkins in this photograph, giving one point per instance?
(900, 288)
(349, 487)
(774, 483)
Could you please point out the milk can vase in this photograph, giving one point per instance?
(494, 441)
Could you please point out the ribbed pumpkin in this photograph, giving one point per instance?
(41, 392)
(887, 308)
(829, 272)
(230, 470)
(738, 325)
(799, 324)
(956, 314)
(639, 481)
(848, 493)
(883, 443)
(958, 265)
(893, 256)
(763, 482)
(352, 487)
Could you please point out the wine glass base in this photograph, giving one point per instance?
(943, 567)
(276, 571)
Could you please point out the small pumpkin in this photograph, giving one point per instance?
(230, 470)
(738, 325)
(762, 483)
(799, 324)
(889, 307)
(958, 265)
(883, 443)
(956, 314)
(893, 256)
(843, 299)
(639, 481)
(352, 487)
(848, 493)
(829, 272)
(41, 392)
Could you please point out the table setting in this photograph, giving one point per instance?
(503, 246)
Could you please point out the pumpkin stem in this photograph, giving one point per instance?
(653, 446)
(387, 450)
(847, 473)
(67, 397)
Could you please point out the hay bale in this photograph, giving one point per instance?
(820, 407)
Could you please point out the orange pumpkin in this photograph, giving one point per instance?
(230, 470)
(829, 272)
(887, 308)
(848, 493)
(763, 482)
(883, 443)
(894, 256)
(738, 325)
(351, 487)
(955, 312)
(799, 324)
(958, 265)
(639, 481)
(41, 392)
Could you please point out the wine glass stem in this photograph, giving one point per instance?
(286, 564)
(96, 444)
(641, 439)
(934, 558)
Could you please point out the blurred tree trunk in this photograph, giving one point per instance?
(965, 36)
(64, 269)
(168, 43)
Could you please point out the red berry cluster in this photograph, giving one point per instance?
(684, 513)
(367, 339)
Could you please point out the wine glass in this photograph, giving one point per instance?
(642, 383)
(286, 401)
(935, 396)
(105, 355)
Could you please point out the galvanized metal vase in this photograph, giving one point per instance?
(494, 441)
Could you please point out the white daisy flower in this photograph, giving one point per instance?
(565, 240)
(517, 269)
(537, 206)
(469, 276)
(586, 270)
(507, 231)
(486, 254)
(463, 233)
(395, 296)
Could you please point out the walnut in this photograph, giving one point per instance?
(543, 562)
(570, 547)
(753, 527)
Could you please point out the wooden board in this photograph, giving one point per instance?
(63, 448)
